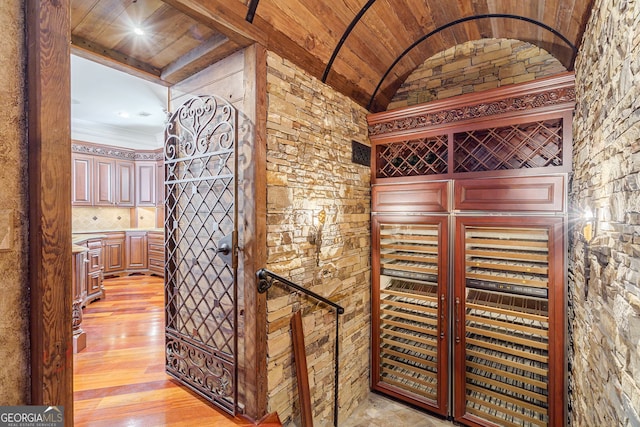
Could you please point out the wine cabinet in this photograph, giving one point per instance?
(469, 216)
(411, 309)
(509, 321)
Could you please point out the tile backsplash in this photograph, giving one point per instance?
(146, 217)
(109, 218)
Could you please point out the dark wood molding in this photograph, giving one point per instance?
(554, 91)
(255, 231)
(48, 65)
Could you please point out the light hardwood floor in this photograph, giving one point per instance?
(119, 378)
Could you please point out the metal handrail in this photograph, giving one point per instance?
(266, 278)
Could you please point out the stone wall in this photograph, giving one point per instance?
(475, 66)
(605, 314)
(309, 170)
(14, 310)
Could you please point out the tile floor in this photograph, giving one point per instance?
(379, 411)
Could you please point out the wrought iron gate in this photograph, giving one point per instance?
(201, 260)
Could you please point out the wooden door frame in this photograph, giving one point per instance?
(49, 135)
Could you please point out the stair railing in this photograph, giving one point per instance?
(267, 278)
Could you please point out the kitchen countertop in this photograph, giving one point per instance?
(75, 249)
(79, 238)
(121, 230)
(82, 236)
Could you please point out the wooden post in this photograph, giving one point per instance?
(302, 375)
(48, 64)
(254, 185)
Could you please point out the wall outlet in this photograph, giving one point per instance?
(6, 229)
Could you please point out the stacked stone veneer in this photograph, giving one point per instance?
(309, 132)
(14, 289)
(475, 66)
(605, 317)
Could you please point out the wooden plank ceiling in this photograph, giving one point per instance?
(363, 48)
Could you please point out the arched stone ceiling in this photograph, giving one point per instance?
(363, 48)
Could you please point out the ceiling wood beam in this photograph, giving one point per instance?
(199, 58)
(229, 17)
(344, 37)
(114, 59)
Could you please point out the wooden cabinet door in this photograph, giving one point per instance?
(104, 182)
(81, 180)
(114, 253)
(95, 268)
(125, 187)
(94, 286)
(156, 253)
(80, 262)
(95, 260)
(136, 253)
(146, 183)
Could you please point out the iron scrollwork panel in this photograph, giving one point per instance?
(201, 262)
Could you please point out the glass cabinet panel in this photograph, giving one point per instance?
(410, 318)
(503, 304)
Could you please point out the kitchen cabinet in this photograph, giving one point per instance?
(113, 182)
(78, 280)
(95, 271)
(82, 181)
(146, 172)
(156, 253)
(111, 177)
(104, 181)
(136, 251)
(125, 184)
(100, 181)
(114, 249)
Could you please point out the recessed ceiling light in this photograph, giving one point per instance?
(139, 31)
(122, 114)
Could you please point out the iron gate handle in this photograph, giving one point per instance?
(223, 249)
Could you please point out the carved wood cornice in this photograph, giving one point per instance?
(115, 152)
(548, 92)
